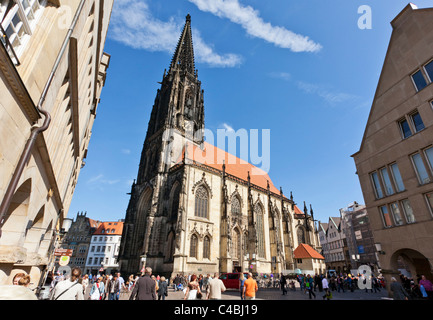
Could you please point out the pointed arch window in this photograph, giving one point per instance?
(301, 235)
(260, 231)
(236, 207)
(193, 246)
(175, 203)
(201, 202)
(236, 245)
(206, 248)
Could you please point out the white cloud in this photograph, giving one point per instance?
(281, 75)
(95, 179)
(227, 127)
(126, 151)
(100, 180)
(133, 25)
(250, 20)
(329, 96)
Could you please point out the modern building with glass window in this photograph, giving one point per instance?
(52, 71)
(195, 208)
(395, 160)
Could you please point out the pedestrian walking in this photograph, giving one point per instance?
(340, 283)
(309, 283)
(70, 289)
(250, 288)
(144, 288)
(193, 291)
(113, 288)
(376, 285)
(325, 286)
(163, 288)
(241, 285)
(398, 291)
(98, 289)
(85, 283)
(130, 282)
(215, 288)
(156, 285)
(283, 283)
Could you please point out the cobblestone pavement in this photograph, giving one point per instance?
(276, 294)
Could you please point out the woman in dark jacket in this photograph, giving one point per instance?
(162, 290)
(398, 291)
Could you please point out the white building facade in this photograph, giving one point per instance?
(104, 249)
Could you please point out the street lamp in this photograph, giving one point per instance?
(66, 225)
(379, 248)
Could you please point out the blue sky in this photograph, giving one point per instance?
(303, 69)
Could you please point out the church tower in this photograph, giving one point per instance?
(177, 118)
(195, 208)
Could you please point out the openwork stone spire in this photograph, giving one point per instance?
(183, 58)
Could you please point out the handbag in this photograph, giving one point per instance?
(96, 295)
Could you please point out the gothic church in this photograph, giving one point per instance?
(206, 214)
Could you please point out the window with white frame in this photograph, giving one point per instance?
(385, 216)
(417, 122)
(428, 68)
(376, 185)
(398, 219)
(429, 198)
(389, 190)
(18, 19)
(418, 80)
(420, 168)
(397, 177)
(408, 212)
(404, 128)
(429, 156)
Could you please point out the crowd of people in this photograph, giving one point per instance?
(329, 283)
(75, 286)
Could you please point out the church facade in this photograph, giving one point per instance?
(195, 208)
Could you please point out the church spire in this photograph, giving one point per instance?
(183, 57)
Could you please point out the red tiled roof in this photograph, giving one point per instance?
(110, 228)
(215, 157)
(304, 251)
(298, 211)
(93, 223)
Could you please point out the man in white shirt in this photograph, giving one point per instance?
(215, 288)
(325, 286)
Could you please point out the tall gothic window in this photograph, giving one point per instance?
(301, 235)
(169, 249)
(236, 207)
(206, 248)
(201, 202)
(260, 231)
(175, 203)
(193, 246)
(236, 244)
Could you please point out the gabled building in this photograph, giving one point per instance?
(309, 261)
(395, 160)
(333, 243)
(78, 239)
(103, 256)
